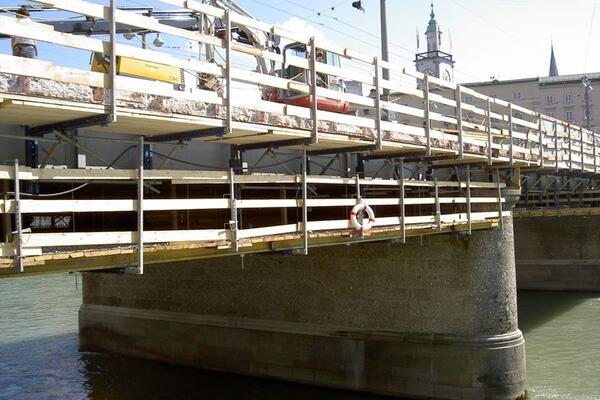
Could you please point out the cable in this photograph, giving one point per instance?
(80, 186)
(186, 162)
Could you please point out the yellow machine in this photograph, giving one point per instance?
(140, 69)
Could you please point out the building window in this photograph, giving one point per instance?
(568, 97)
(517, 95)
(568, 115)
(552, 114)
(549, 99)
(469, 99)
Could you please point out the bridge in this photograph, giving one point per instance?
(248, 259)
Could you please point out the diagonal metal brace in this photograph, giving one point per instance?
(186, 136)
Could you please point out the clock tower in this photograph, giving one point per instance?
(434, 61)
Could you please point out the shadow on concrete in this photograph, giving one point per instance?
(53, 368)
(538, 307)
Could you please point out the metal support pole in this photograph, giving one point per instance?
(228, 75)
(469, 198)
(402, 206)
(488, 129)
(511, 156)
(313, 91)
(459, 120)
(541, 135)
(113, 61)
(304, 203)
(427, 112)
(18, 221)
(438, 209)
(378, 105)
(140, 211)
(384, 44)
(233, 219)
(500, 211)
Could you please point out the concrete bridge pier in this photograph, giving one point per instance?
(433, 318)
(558, 253)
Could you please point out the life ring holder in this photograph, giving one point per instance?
(366, 223)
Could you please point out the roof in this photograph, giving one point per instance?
(553, 68)
(542, 80)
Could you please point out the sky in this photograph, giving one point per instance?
(504, 39)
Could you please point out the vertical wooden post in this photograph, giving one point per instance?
(488, 128)
(18, 221)
(313, 90)
(378, 105)
(511, 156)
(228, 75)
(140, 211)
(233, 214)
(459, 120)
(427, 112)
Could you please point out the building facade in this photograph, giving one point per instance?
(567, 97)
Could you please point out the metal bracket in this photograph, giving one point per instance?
(276, 144)
(186, 136)
(102, 120)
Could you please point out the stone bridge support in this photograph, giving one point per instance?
(433, 318)
(558, 253)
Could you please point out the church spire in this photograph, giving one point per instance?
(553, 67)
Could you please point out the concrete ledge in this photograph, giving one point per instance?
(384, 362)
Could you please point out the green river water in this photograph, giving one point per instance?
(39, 357)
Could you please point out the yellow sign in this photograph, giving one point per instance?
(140, 69)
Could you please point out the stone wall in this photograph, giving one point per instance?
(558, 253)
(435, 318)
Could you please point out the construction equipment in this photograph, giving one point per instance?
(298, 74)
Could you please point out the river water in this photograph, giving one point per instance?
(39, 357)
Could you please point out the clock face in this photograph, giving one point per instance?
(446, 76)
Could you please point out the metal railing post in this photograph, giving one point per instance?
(402, 206)
(140, 211)
(313, 91)
(570, 147)
(228, 74)
(541, 135)
(427, 111)
(594, 152)
(18, 220)
(511, 156)
(438, 209)
(459, 120)
(233, 214)
(489, 130)
(469, 198)
(500, 211)
(555, 146)
(113, 61)
(582, 150)
(378, 105)
(304, 202)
